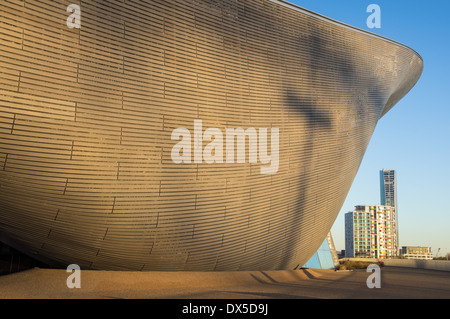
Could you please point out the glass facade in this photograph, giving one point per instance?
(325, 257)
(388, 188)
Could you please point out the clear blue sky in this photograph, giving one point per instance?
(414, 137)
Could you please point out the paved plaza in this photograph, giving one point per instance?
(396, 282)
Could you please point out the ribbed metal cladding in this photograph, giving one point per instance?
(86, 117)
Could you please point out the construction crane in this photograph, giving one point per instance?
(437, 253)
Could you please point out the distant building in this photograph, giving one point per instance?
(416, 252)
(388, 191)
(388, 188)
(371, 231)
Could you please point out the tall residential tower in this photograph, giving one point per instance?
(371, 231)
(388, 188)
(388, 192)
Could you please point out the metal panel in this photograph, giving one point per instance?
(86, 117)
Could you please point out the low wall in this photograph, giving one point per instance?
(373, 260)
(423, 264)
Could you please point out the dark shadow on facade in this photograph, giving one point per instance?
(12, 261)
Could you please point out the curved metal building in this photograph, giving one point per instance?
(87, 116)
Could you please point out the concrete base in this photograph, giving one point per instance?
(443, 265)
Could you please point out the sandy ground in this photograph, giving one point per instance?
(396, 282)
